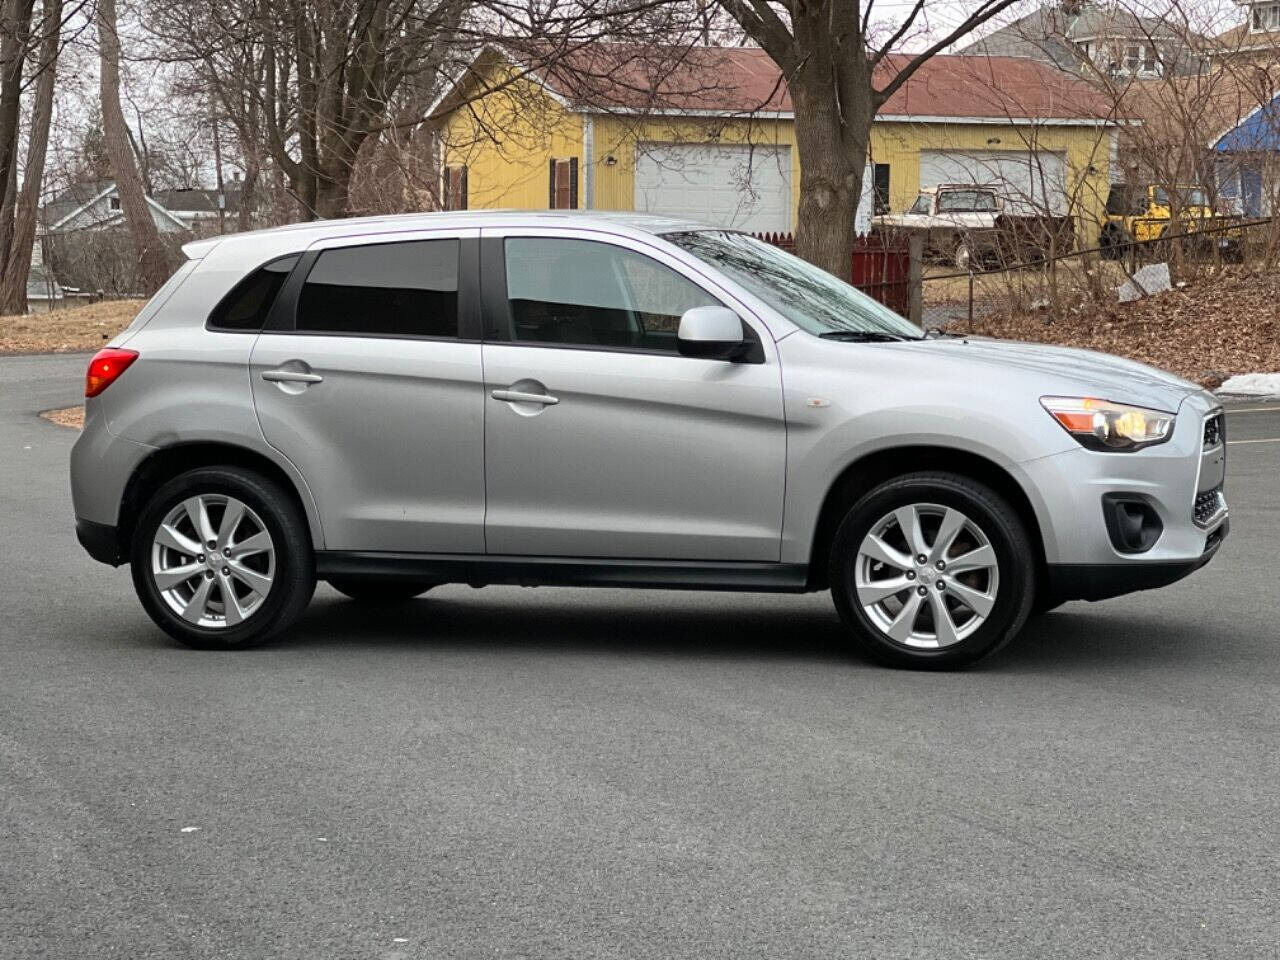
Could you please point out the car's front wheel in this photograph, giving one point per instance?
(222, 558)
(932, 570)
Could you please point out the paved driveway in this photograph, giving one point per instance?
(551, 773)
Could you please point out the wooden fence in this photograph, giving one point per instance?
(880, 268)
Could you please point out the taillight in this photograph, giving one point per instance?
(105, 367)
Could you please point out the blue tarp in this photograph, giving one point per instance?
(1260, 131)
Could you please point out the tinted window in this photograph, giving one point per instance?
(592, 294)
(247, 305)
(398, 289)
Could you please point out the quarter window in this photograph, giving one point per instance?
(247, 305)
(406, 289)
(589, 294)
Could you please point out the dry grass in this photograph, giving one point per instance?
(1206, 331)
(72, 417)
(62, 331)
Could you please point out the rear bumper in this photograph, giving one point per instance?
(1101, 581)
(100, 541)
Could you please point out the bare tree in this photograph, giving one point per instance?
(17, 259)
(839, 75)
(153, 260)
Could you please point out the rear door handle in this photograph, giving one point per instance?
(519, 396)
(286, 375)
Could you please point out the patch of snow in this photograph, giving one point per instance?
(1252, 385)
(1151, 279)
(190, 829)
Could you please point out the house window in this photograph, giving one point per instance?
(1266, 16)
(455, 187)
(115, 203)
(880, 182)
(562, 187)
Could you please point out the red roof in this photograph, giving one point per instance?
(746, 80)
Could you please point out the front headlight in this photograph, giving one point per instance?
(1103, 425)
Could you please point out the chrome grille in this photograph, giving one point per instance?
(1208, 504)
(1215, 430)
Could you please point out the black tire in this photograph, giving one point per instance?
(1114, 243)
(377, 590)
(293, 580)
(1006, 534)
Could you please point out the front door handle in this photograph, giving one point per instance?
(286, 375)
(519, 396)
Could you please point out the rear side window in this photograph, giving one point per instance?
(247, 305)
(407, 289)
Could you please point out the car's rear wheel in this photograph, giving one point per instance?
(375, 590)
(221, 558)
(932, 570)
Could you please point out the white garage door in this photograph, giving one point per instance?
(748, 188)
(1031, 181)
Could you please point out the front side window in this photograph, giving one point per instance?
(406, 289)
(922, 204)
(247, 305)
(808, 296)
(589, 294)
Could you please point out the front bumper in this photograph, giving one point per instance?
(1101, 581)
(1179, 481)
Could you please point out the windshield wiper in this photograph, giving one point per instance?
(864, 336)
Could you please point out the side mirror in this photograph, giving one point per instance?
(710, 333)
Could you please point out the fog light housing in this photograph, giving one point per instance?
(1132, 522)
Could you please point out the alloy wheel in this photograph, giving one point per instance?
(213, 561)
(926, 576)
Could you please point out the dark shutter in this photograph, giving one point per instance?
(446, 201)
(573, 183)
(462, 188)
(551, 184)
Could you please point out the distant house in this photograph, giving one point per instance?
(95, 205)
(1257, 40)
(70, 219)
(1095, 39)
(1247, 160)
(713, 138)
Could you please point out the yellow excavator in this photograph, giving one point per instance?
(1144, 214)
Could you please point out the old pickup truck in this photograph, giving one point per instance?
(968, 225)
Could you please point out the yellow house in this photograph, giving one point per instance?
(710, 136)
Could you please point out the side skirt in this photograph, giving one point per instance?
(480, 570)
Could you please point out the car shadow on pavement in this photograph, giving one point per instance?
(1076, 637)
(652, 625)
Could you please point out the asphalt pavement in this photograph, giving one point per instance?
(552, 773)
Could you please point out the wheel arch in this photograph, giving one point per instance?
(168, 462)
(869, 471)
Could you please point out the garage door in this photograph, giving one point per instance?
(1031, 181)
(748, 188)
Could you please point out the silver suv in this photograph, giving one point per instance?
(615, 400)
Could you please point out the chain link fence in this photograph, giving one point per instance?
(1094, 276)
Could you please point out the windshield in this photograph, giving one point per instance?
(806, 295)
(966, 201)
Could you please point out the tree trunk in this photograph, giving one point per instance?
(153, 260)
(15, 34)
(833, 113)
(13, 279)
